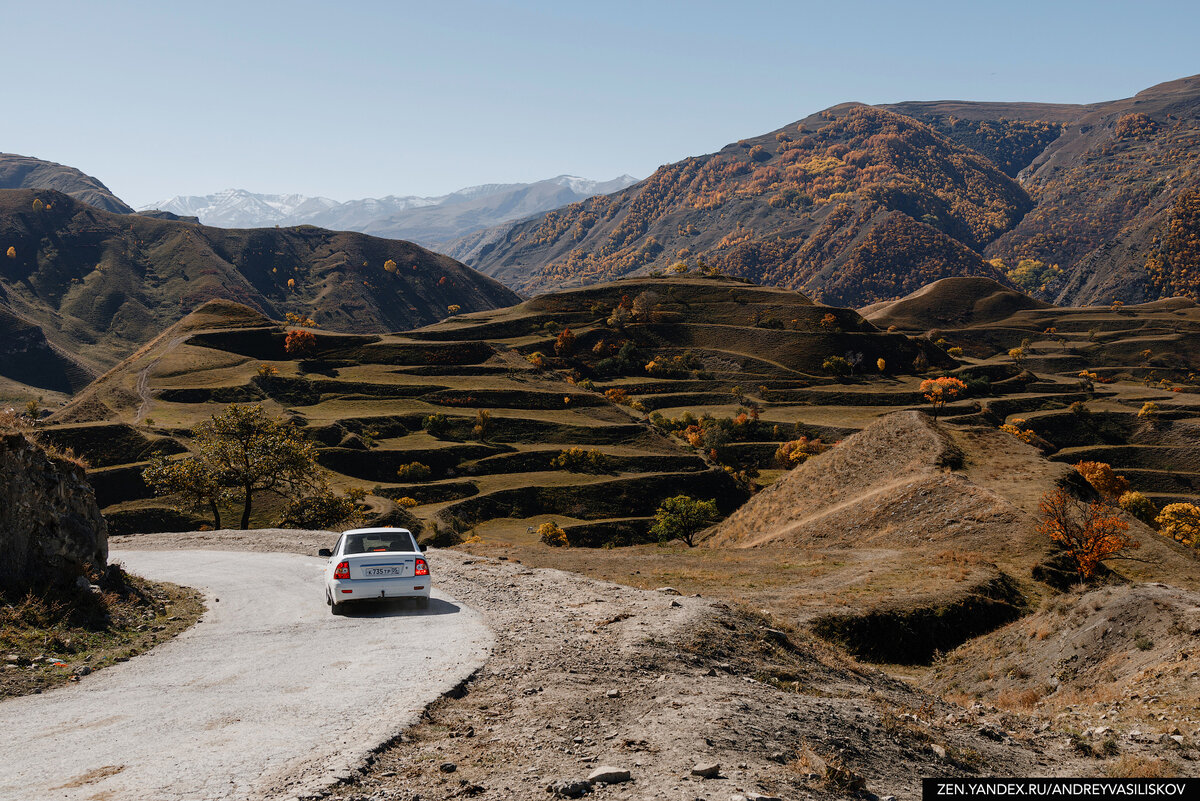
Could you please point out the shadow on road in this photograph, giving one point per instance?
(399, 607)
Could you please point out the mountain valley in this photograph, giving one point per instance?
(862, 450)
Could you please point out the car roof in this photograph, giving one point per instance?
(377, 530)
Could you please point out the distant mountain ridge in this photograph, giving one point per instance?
(425, 220)
(1076, 204)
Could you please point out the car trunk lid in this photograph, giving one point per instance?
(387, 564)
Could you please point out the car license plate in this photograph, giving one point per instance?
(376, 572)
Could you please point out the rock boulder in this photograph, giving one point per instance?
(51, 529)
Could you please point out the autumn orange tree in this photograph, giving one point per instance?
(1018, 430)
(1087, 532)
(797, 451)
(617, 395)
(299, 342)
(938, 391)
(565, 344)
(301, 320)
(1103, 478)
(1180, 522)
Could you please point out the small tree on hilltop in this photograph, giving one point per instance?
(682, 518)
(1087, 532)
(939, 391)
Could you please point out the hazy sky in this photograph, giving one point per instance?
(358, 99)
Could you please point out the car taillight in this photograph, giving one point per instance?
(422, 568)
(342, 571)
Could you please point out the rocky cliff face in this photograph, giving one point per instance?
(51, 530)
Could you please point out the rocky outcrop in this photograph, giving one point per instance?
(51, 530)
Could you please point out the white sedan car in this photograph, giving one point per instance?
(372, 564)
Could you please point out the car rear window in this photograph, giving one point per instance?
(378, 541)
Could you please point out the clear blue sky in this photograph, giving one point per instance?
(359, 99)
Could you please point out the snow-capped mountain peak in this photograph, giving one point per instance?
(387, 216)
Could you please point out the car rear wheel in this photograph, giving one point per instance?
(337, 609)
(423, 603)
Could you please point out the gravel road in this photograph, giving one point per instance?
(268, 696)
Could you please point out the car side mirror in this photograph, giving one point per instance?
(324, 552)
(424, 546)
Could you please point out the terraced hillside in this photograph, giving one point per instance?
(665, 386)
(489, 401)
(1115, 358)
(588, 407)
(943, 539)
(86, 287)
